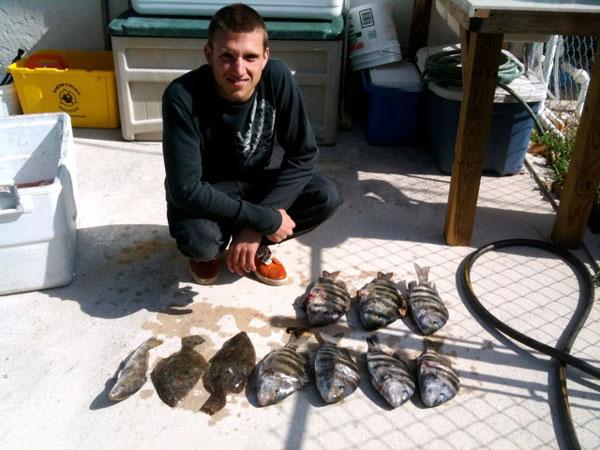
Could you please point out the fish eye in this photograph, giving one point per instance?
(276, 390)
(341, 387)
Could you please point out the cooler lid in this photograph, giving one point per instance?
(398, 75)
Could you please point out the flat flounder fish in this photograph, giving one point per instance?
(380, 302)
(228, 371)
(133, 375)
(282, 372)
(175, 376)
(327, 300)
(438, 382)
(391, 376)
(426, 306)
(335, 371)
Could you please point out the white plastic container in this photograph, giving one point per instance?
(372, 39)
(283, 9)
(37, 202)
(9, 101)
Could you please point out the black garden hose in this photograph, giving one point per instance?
(561, 352)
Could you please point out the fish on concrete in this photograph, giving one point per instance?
(283, 371)
(438, 381)
(133, 375)
(391, 376)
(228, 371)
(327, 300)
(176, 375)
(380, 302)
(335, 371)
(426, 306)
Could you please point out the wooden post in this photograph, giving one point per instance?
(419, 29)
(483, 58)
(579, 193)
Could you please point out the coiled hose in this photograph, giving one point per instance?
(561, 352)
(445, 68)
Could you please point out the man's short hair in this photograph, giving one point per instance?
(237, 18)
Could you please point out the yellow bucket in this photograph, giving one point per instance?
(79, 83)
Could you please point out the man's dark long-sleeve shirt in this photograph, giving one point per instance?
(207, 139)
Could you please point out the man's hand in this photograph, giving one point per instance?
(241, 252)
(285, 230)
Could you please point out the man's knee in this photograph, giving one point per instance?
(329, 194)
(334, 195)
(199, 239)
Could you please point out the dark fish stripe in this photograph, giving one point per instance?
(443, 368)
(329, 286)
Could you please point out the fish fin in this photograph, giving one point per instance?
(385, 276)
(403, 308)
(373, 341)
(422, 273)
(298, 336)
(191, 341)
(322, 337)
(412, 285)
(215, 403)
(153, 342)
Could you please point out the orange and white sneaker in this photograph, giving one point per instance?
(204, 272)
(268, 269)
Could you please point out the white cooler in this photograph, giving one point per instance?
(37, 202)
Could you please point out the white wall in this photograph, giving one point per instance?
(78, 24)
(52, 24)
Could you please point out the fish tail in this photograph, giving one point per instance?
(191, 341)
(422, 273)
(153, 342)
(215, 403)
(298, 336)
(373, 341)
(322, 337)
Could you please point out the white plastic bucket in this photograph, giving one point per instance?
(372, 39)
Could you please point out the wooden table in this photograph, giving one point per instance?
(483, 24)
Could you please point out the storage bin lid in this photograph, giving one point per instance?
(132, 24)
(531, 90)
(399, 75)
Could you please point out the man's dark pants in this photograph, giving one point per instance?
(204, 240)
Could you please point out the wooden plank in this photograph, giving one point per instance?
(525, 22)
(579, 193)
(481, 71)
(537, 22)
(419, 29)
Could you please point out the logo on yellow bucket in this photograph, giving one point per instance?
(67, 96)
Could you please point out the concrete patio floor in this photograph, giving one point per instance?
(62, 347)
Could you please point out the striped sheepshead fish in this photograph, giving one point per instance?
(133, 375)
(426, 306)
(283, 371)
(380, 303)
(335, 371)
(327, 300)
(391, 376)
(438, 382)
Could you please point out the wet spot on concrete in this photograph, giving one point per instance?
(146, 393)
(141, 250)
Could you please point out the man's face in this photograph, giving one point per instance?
(237, 61)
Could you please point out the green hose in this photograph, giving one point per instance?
(445, 68)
